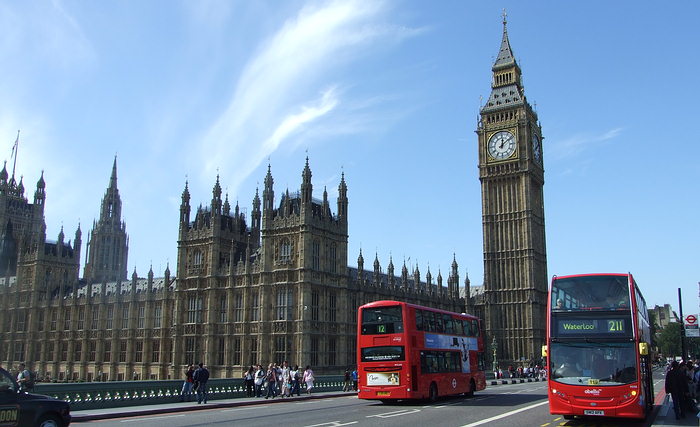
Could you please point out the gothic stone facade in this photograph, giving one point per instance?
(277, 289)
(511, 171)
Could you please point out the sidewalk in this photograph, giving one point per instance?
(665, 415)
(135, 411)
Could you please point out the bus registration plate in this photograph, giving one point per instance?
(383, 393)
(593, 412)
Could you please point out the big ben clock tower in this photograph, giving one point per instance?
(512, 176)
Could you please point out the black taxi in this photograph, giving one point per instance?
(28, 409)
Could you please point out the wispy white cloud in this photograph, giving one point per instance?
(288, 87)
(578, 143)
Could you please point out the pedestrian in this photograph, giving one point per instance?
(186, 392)
(286, 379)
(347, 381)
(296, 377)
(249, 381)
(676, 386)
(271, 379)
(353, 375)
(259, 381)
(25, 379)
(201, 376)
(309, 379)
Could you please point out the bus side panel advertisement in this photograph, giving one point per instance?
(383, 378)
(463, 344)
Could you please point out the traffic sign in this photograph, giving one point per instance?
(691, 319)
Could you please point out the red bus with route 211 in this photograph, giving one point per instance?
(406, 351)
(598, 341)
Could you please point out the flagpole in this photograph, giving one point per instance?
(14, 150)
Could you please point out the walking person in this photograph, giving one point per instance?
(309, 379)
(259, 380)
(249, 381)
(354, 379)
(186, 392)
(676, 385)
(347, 382)
(296, 379)
(286, 379)
(25, 379)
(271, 378)
(201, 376)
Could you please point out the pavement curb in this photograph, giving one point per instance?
(125, 413)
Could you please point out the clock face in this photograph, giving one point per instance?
(536, 148)
(502, 145)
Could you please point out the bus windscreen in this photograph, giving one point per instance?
(593, 363)
(382, 320)
(587, 293)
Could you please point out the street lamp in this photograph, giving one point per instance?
(494, 348)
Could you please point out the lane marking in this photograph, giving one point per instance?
(246, 408)
(333, 424)
(151, 418)
(395, 413)
(507, 414)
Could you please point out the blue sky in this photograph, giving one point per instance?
(387, 92)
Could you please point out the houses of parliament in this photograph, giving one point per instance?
(272, 286)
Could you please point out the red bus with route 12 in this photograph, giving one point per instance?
(598, 341)
(406, 351)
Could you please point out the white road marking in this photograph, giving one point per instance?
(333, 424)
(150, 418)
(507, 414)
(245, 408)
(395, 413)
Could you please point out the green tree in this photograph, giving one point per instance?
(670, 340)
(653, 327)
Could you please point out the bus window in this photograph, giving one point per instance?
(429, 321)
(439, 325)
(475, 328)
(459, 330)
(419, 320)
(382, 320)
(449, 324)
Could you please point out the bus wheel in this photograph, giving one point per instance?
(472, 387)
(568, 417)
(433, 395)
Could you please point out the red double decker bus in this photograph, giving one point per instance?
(598, 347)
(406, 351)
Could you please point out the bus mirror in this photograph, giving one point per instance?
(643, 349)
(544, 351)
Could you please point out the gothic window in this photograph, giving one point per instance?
(314, 351)
(54, 318)
(40, 320)
(316, 254)
(125, 316)
(141, 317)
(281, 348)
(333, 307)
(92, 351)
(110, 316)
(255, 310)
(254, 349)
(19, 350)
(108, 352)
(51, 351)
(283, 306)
(66, 322)
(155, 346)
(237, 351)
(223, 308)
(332, 258)
(21, 322)
(138, 356)
(190, 343)
(285, 251)
(315, 298)
(194, 309)
(331, 352)
(157, 315)
(197, 260)
(95, 318)
(221, 350)
(64, 352)
(81, 318)
(238, 308)
(78, 351)
(122, 351)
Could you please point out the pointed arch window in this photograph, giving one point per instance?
(285, 251)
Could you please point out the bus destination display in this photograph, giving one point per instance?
(592, 326)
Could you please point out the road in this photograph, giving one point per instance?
(515, 405)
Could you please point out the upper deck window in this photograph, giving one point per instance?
(382, 320)
(588, 293)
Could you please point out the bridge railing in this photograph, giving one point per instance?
(112, 394)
